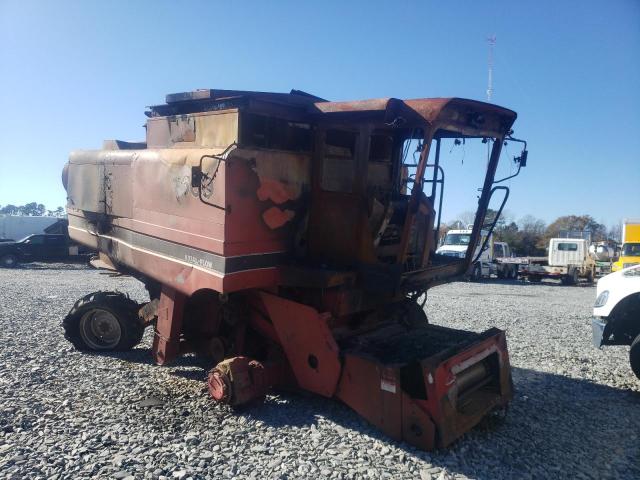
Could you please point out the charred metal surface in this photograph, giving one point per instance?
(279, 236)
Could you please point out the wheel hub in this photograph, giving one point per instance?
(100, 329)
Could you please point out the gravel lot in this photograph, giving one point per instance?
(63, 414)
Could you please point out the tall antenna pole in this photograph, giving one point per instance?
(491, 40)
(492, 43)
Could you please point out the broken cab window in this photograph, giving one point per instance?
(275, 133)
(338, 166)
(379, 168)
(380, 148)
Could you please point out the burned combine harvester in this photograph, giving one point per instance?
(287, 238)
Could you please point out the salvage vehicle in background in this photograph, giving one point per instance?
(568, 261)
(604, 254)
(630, 252)
(616, 313)
(494, 259)
(41, 248)
(21, 226)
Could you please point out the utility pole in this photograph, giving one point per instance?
(492, 43)
(491, 40)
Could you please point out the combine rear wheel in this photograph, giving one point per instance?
(104, 321)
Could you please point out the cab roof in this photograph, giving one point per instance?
(452, 116)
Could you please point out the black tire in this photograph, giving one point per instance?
(570, 279)
(476, 273)
(634, 356)
(115, 316)
(514, 273)
(534, 278)
(501, 273)
(9, 260)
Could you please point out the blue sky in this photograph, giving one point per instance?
(73, 73)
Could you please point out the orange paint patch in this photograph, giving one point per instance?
(275, 218)
(275, 191)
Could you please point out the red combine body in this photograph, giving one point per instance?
(288, 238)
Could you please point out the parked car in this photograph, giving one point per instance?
(616, 313)
(40, 248)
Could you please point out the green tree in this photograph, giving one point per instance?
(574, 225)
(33, 209)
(10, 210)
(510, 234)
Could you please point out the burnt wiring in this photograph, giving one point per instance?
(221, 158)
(521, 160)
(405, 150)
(457, 142)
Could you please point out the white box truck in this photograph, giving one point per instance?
(568, 260)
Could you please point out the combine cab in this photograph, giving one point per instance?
(289, 239)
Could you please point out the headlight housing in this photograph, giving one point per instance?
(602, 299)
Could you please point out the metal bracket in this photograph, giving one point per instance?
(521, 160)
(198, 177)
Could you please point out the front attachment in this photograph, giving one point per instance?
(426, 385)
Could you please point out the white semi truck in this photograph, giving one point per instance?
(495, 259)
(568, 260)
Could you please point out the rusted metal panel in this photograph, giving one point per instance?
(376, 397)
(468, 117)
(208, 130)
(268, 198)
(307, 342)
(85, 187)
(166, 342)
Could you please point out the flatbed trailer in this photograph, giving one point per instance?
(568, 261)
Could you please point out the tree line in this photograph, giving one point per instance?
(529, 236)
(32, 209)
